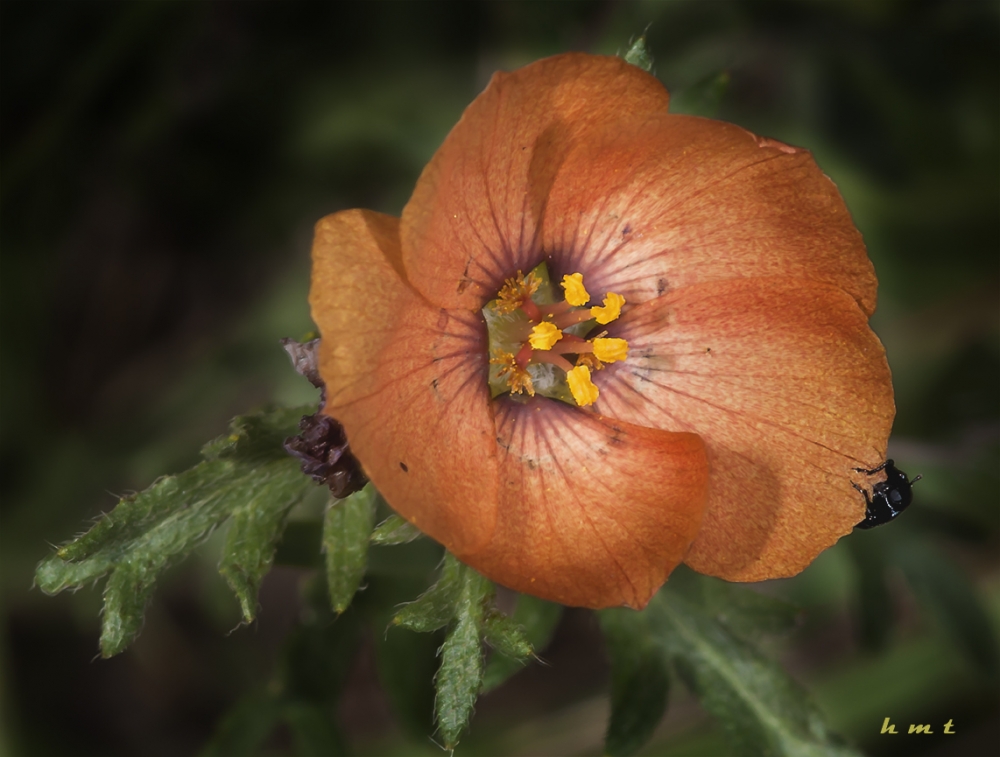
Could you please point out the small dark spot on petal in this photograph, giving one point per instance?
(627, 230)
(661, 286)
(404, 467)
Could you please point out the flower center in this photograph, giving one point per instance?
(539, 344)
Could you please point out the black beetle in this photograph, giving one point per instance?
(888, 498)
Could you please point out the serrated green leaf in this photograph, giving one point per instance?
(761, 709)
(255, 528)
(458, 679)
(140, 538)
(347, 527)
(257, 437)
(313, 728)
(747, 613)
(395, 530)
(539, 619)
(437, 606)
(506, 636)
(638, 54)
(640, 681)
(125, 596)
(949, 595)
(460, 676)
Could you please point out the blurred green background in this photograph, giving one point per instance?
(161, 166)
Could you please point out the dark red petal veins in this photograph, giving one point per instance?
(593, 512)
(474, 216)
(406, 380)
(790, 391)
(668, 201)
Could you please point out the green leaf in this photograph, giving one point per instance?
(538, 619)
(395, 530)
(745, 612)
(948, 594)
(347, 527)
(245, 473)
(640, 681)
(437, 606)
(460, 676)
(761, 709)
(506, 636)
(255, 527)
(125, 596)
(638, 54)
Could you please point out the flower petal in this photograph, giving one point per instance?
(473, 217)
(406, 380)
(593, 512)
(669, 201)
(790, 391)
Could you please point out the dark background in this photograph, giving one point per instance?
(161, 166)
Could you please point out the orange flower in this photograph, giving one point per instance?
(743, 383)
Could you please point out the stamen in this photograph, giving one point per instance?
(610, 350)
(611, 310)
(583, 389)
(544, 335)
(576, 293)
(531, 309)
(516, 291)
(518, 378)
(554, 358)
(590, 360)
(571, 343)
(565, 320)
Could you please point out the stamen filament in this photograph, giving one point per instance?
(551, 357)
(524, 355)
(575, 346)
(571, 318)
(531, 309)
(557, 308)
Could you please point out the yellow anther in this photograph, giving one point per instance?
(544, 335)
(611, 310)
(576, 293)
(610, 350)
(515, 291)
(583, 389)
(590, 360)
(518, 379)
